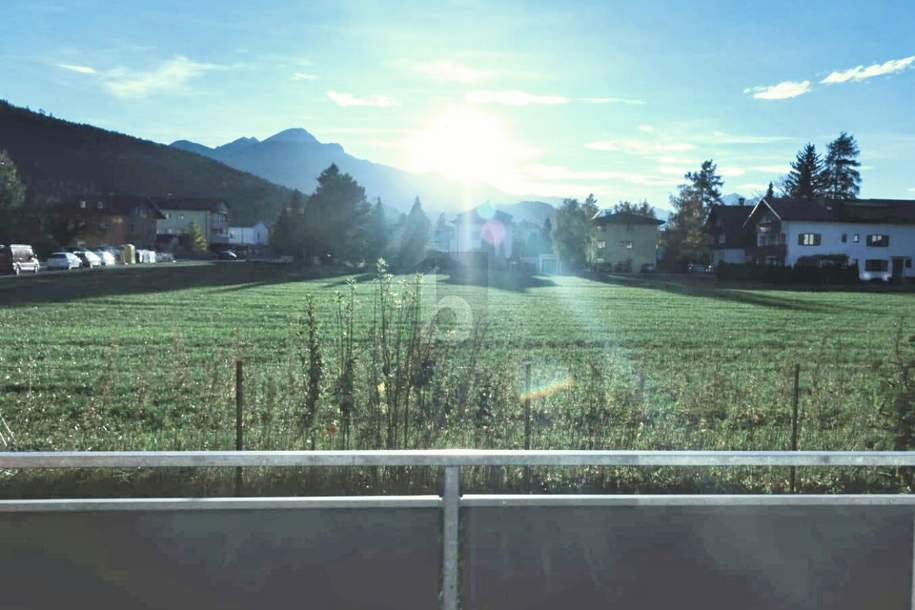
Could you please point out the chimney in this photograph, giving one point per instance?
(741, 201)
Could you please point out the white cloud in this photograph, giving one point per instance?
(752, 186)
(80, 69)
(171, 75)
(782, 91)
(304, 76)
(860, 73)
(514, 98)
(731, 172)
(558, 172)
(911, 190)
(612, 100)
(672, 170)
(721, 137)
(647, 128)
(451, 71)
(638, 147)
(771, 169)
(347, 99)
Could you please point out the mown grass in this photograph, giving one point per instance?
(144, 359)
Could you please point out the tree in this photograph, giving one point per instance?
(770, 193)
(546, 237)
(572, 235)
(415, 237)
(378, 233)
(843, 180)
(807, 178)
(627, 207)
(196, 239)
(707, 184)
(12, 197)
(336, 217)
(685, 239)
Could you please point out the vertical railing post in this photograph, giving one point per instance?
(239, 419)
(794, 422)
(451, 498)
(912, 598)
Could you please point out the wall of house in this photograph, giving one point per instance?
(621, 242)
(249, 236)
(116, 229)
(178, 222)
(733, 256)
(902, 242)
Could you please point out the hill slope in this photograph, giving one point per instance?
(295, 158)
(57, 159)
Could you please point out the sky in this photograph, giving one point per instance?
(557, 99)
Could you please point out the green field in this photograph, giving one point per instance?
(144, 358)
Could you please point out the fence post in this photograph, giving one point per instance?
(794, 422)
(239, 424)
(451, 498)
(528, 427)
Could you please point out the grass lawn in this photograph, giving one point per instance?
(143, 358)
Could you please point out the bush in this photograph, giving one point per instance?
(800, 274)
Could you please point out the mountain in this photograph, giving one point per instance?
(530, 211)
(734, 199)
(295, 158)
(59, 159)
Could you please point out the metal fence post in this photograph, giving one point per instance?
(451, 498)
(239, 425)
(794, 422)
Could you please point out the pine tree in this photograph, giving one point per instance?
(415, 237)
(685, 239)
(707, 184)
(12, 197)
(337, 217)
(197, 240)
(378, 233)
(843, 180)
(770, 193)
(573, 233)
(546, 237)
(807, 178)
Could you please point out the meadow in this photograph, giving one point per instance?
(144, 358)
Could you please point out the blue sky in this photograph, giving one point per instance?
(557, 99)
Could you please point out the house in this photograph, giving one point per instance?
(255, 236)
(729, 237)
(483, 230)
(211, 215)
(877, 235)
(626, 241)
(110, 219)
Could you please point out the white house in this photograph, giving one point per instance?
(258, 235)
(877, 235)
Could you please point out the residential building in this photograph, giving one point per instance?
(109, 219)
(729, 237)
(257, 235)
(483, 230)
(877, 235)
(211, 215)
(626, 241)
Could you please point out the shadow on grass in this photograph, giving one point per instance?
(74, 286)
(749, 295)
(483, 278)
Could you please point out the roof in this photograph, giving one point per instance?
(732, 220)
(868, 211)
(109, 204)
(474, 216)
(609, 217)
(199, 204)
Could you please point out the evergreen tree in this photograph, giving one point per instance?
(642, 209)
(281, 237)
(415, 237)
(572, 235)
(546, 237)
(336, 217)
(378, 233)
(843, 180)
(12, 197)
(807, 178)
(707, 184)
(197, 240)
(770, 193)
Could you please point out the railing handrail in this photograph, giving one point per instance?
(449, 457)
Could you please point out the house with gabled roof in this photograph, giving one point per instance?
(626, 241)
(210, 214)
(109, 219)
(876, 235)
(729, 237)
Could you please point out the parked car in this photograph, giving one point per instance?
(63, 260)
(226, 255)
(88, 258)
(106, 257)
(700, 269)
(17, 258)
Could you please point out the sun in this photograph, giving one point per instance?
(466, 145)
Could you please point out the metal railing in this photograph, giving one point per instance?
(451, 500)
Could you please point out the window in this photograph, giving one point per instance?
(855, 238)
(844, 238)
(809, 239)
(99, 205)
(601, 245)
(878, 241)
(627, 244)
(876, 264)
(908, 262)
(82, 204)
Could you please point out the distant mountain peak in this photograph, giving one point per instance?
(296, 134)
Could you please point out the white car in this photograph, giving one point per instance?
(106, 257)
(63, 260)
